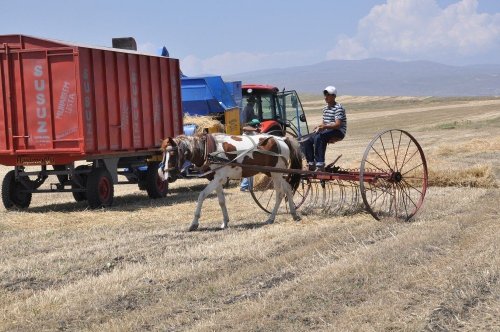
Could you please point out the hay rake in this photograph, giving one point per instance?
(390, 183)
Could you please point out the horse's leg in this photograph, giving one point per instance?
(222, 203)
(279, 196)
(201, 197)
(289, 195)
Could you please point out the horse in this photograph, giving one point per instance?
(229, 151)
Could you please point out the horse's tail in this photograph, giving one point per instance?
(295, 160)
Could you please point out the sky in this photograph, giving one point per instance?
(232, 36)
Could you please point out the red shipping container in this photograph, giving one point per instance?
(61, 102)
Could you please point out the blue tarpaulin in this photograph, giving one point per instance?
(209, 94)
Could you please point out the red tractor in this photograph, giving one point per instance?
(279, 112)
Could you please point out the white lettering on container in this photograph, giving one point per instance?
(135, 110)
(87, 107)
(63, 100)
(41, 109)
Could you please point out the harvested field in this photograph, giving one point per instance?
(135, 267)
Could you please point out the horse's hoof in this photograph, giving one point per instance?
(223, 226)
(193, 227)
(297, 218)
(269, 222)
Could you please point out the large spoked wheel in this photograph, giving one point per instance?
(100, 189)
(155, 186)
(393, 175)
(263, 193)
(13, 194)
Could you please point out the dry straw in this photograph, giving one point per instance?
(261, 182)
(474, 146)
(203, 123)
(477, 176)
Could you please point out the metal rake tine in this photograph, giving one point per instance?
(329, 193)
(314, 195)
(353, 196)
(341, 197)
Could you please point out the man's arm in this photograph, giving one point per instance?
(332, 125)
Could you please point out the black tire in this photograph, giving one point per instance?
(100, 189)
(291, 133)
(155, 186)
(275, 130)
(12, 197)
(80, 196)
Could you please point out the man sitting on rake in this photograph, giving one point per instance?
(334, 126)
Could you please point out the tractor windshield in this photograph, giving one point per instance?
(263, 106)
(272, 105)
(291, 107)
(268, 107)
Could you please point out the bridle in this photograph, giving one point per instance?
(170, 151)
(176, 152)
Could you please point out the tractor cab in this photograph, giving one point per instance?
(279, 112)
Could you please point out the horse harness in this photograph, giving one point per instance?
(214, 158)
(211, 156)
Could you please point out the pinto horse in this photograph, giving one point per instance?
(230, 151)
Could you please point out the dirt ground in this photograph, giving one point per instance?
(135, 267)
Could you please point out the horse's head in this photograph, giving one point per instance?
(169, 167)
(181, 152)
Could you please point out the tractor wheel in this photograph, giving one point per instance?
(155, 186)
(99, 188)
(80, 181)
(291, 133)
(12, 195)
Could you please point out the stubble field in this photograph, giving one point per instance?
(134, 267)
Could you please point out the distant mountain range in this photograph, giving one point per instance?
(377, 77)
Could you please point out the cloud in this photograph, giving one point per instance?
(420, 29)
(238, 62)
(233, 62)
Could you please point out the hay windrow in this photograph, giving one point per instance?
(468, 146)
(477, 176)
(203, 123)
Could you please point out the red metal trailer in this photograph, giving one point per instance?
(62, 103)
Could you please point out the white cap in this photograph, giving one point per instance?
(331, 90)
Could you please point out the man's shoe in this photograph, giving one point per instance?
(320, 168)
(311, 168)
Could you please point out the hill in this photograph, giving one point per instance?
(377, 77)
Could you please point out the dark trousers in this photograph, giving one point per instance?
(315, 146)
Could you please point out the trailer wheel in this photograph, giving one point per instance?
(155, 186)
(80, 196)
(12, 195)
(99, 188)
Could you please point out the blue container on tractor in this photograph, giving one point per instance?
(209, 95)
